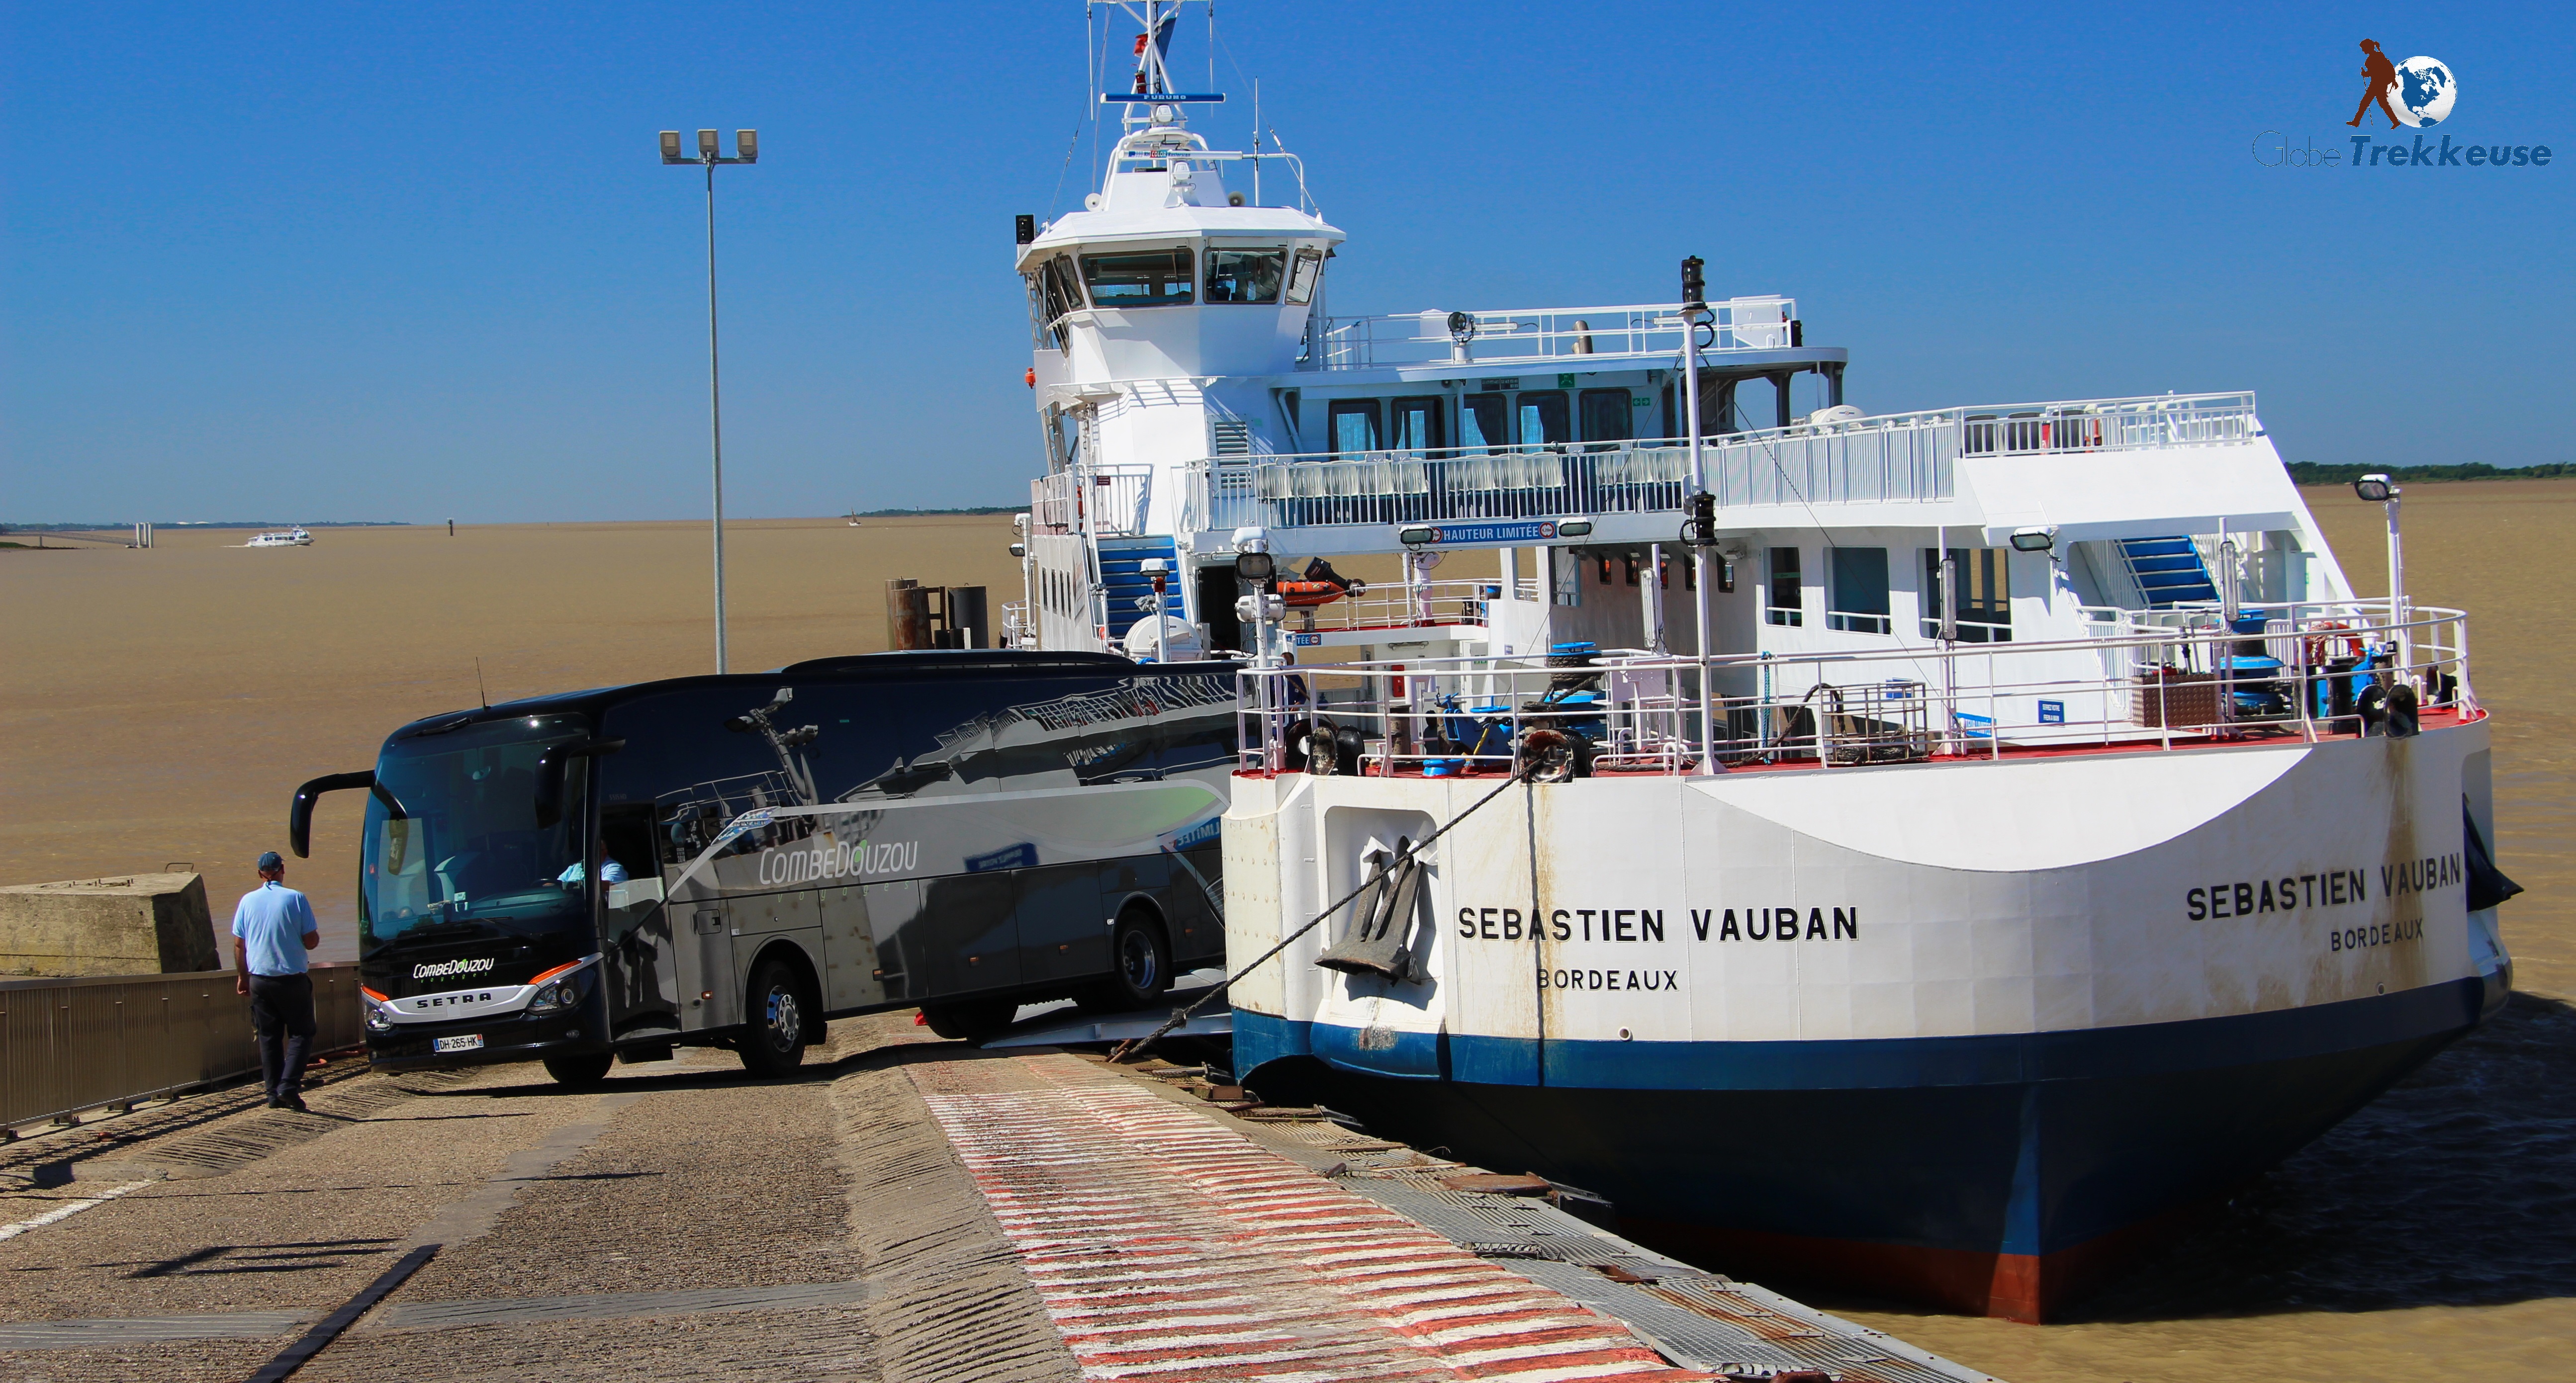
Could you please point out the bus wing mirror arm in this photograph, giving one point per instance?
(550, 775)
(299, 813)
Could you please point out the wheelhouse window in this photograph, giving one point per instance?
(1054, 290)
(1303, 275)
(1543, 419)
(1356, 425)
(1484, 422)
(1985, 593)
(1245, 276)
(1605, 417)
(1859, 593)
(1147, 278)
(1414, 425)
(1785, 602)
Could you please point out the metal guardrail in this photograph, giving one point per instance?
(1502, 338)
(2310, 671)
(68, 1045)
(1111, 500)
(1899, 458)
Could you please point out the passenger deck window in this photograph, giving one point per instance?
(1985, 594)
(1859, 594)
(1416, 424)
(1245, 276)
(1301, 280)
(1605, 416)
(1786, 603)
(1543, 419)
(1484, 422)
(1150, 278)
(1355, 425)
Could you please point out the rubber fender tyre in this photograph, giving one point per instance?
(1348, 743)
(2402, 712)
(2372, 707)
(970, 1020)
(1142, 962)
(1292, 756)
(778, 1027)
(587, 1068)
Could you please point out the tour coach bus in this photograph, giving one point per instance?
(731, 860)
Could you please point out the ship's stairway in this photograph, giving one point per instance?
(1124, 582)
(2168, 571)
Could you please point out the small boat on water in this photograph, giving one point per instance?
(284, 537)
(1932, 851)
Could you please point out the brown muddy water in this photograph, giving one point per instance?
(160, 706)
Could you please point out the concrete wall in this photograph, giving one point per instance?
(134, 924)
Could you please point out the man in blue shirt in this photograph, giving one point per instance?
(273, 927)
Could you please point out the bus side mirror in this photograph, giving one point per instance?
(299, 813)
(551, 768)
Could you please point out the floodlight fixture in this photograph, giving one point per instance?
(671, 147)
(746, 145)
(1417, 535)
(1574, 528)
(2374, 488)
(706, 144)
(2034, 539)
(1255, 566)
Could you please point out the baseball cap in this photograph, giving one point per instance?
(271, 860)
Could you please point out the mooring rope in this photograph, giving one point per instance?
(1135, 1045)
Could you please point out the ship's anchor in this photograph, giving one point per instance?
(1376, 943)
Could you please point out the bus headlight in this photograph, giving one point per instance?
(380, 1015)
(562, 994)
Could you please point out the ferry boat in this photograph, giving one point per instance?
(1930, 851)
(284, 537)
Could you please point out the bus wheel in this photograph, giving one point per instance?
(970, 1020)
(773, 1042)
(1143, 962)
(588, 1068)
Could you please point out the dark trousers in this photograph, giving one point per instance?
(281, 1012)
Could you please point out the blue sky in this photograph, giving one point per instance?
(314, 262)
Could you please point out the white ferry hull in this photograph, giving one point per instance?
(1964, 1031)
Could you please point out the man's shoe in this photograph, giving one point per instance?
(276, 1103)
(293, 1102)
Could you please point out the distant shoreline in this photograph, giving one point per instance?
(2317, 473)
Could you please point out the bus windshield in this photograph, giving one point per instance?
(456, 853)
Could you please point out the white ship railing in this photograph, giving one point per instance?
(1897, 458)
(1504, 338)
(1399, 605)
(2309, 672)
(1105, 501)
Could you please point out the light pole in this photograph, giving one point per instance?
(2377, 489)
(746, 144)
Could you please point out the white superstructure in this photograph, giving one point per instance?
(2017, 796)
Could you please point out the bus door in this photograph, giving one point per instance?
(636, 930)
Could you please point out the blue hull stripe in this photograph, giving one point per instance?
(2140, 1049)
(2008, 1144)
